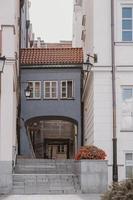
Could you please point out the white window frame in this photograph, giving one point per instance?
(122, 114)
(128, 163)
(126, 5)
(34, 97)
(51, 90)
(66, 89)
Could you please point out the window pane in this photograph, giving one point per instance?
(62, 148)
(64, 94)
(47, 94)
(64, 84)
(129, 156)
(129, 171)
(127, 93)
(47, 84)
(127, 12)
(69, 89)
(127, 24)
(53, 84)
(54, 90)
(53, 94)
(37, 94)
(127, 35)
(47, 89)
(63, 89)
(37, 89)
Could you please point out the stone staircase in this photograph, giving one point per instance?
(34, 176)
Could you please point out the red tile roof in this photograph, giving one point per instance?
(52, 56)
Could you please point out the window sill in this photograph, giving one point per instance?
(33, 99)
(67, 98)
(50, 98)
(126, 131)
(122, 43)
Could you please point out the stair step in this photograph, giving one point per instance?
(38, 176)
(42, 191)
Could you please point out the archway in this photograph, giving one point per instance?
(53, 137)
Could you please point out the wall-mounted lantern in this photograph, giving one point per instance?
(87, 65)
(28, 92)
(2, 63)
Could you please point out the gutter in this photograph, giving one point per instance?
(114, 139)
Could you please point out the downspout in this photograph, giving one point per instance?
(82, 111)
(114, 139)
(19, 80)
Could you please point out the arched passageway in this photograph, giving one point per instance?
(53, 137)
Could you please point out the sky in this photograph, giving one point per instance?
(52, 19)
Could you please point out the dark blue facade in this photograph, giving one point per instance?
(69, 108)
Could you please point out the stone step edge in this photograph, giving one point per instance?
(14, 174)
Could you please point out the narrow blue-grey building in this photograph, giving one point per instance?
(51, 86)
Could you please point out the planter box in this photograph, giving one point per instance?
(93, 176)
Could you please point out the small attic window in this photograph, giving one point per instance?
(83, 36)
(84, 20)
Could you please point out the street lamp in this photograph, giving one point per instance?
(28, 92)
(87, 65)
(2, 63)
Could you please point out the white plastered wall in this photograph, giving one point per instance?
(8, 99)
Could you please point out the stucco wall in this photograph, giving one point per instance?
(67, 108)
(9, 27)
(103, 132)
(89, 111)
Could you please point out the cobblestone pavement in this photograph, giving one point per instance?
(50, 197)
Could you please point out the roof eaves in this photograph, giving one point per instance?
(51, 66)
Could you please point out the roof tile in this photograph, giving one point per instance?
(51, 56)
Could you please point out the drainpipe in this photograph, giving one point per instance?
(114, 139)
(82, 111)
(21, 2)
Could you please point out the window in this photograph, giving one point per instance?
(61, 149)
(67, 89)
(127, 24)
(83, 35)
(50, 89)
(129, 165)
(127, 108)
(35, 89)
(84, 20)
